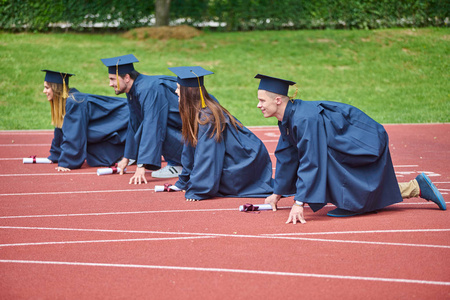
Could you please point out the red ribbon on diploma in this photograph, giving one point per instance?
(167, 187)
(34, 158)
(248, 207)
(114, 168)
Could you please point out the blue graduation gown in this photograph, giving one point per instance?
(55, 149)
(236, 166)
(154, 128)
(331, 152)
(94, 129)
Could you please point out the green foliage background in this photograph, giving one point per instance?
(36, 15)
(394, 75)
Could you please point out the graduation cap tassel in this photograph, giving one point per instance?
(65, 93)
(295, 94)
(201, 93)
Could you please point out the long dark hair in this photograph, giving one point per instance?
(192, 116)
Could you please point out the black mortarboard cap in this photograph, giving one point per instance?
(57, 77)
(274, 85)
(120, 64)
(190, 76)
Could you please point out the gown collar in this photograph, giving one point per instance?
(290, 109)
(135, 83)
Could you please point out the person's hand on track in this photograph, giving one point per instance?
(296, 214)
(62, 169)
(123, 165)
(139, 176)
(273, 200)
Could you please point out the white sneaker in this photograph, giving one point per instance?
(167, 172)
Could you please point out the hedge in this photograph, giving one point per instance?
(227, 15)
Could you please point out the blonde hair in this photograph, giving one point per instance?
(57, 104)
(272, 96)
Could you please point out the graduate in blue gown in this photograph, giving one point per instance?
(87, 127)
(154, 127)
(331, 152)
(221, 158)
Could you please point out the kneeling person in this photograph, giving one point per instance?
(221, 158)
(154, 127)
(87, 127)
(331, 152)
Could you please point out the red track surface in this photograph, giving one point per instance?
(78, 235)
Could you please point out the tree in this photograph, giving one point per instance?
(162, 9)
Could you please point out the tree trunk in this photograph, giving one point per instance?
(162, 9)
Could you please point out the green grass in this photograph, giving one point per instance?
(395, 75)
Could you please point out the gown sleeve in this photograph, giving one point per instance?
(311, 185)
(187, 162)
(55, 149)
(74, 143)
(154, 127)
(206, 162)
(130, 144)
(286, 168)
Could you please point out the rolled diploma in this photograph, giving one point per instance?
(260, 207)
(160, 188)
(29, 160)
(106, 171)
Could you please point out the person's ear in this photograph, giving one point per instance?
(278, 100)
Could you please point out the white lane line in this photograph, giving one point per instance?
(106, 230)
(61, 173)
(122, 213)
(106, 241)
(11, 158)
(77, 192)
(168, 211)
(362, 231)
(236, 236)
(49, 174)
(238, 271)
(399, 174)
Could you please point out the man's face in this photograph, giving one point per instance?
(267, 104)
(113, 84)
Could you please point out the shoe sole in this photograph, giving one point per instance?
(173, 176)
(337, 215)
(442, 205)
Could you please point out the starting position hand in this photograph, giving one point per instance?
(139, 176)
(273, 200)
(296, 214)
(123, 164)
(62, 169)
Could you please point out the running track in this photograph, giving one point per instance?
(77, 235)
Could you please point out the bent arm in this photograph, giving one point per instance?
(204, 180)
(74, 143)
